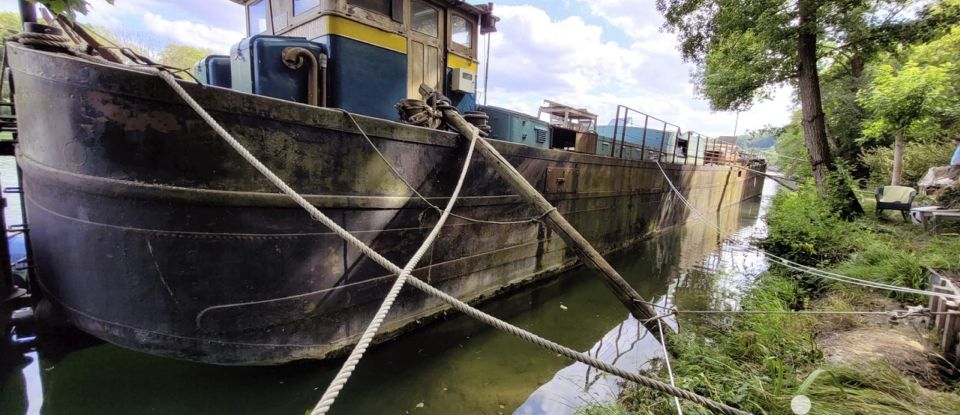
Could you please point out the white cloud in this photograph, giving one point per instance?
(114, 16)
(536, 58)
(212, 24)
(642, 23)
(533, 52)
(191, 33)
(639, 21)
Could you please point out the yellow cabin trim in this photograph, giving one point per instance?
(459, 62)
(340, 26)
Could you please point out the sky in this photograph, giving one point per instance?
(595, 54)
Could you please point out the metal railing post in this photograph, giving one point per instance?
(623, 134)
(616, 125)
(696, 152)
(28, 13)
(663, 138)
(676, 144)
(643, 141)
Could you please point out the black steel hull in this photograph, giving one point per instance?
(153, 234)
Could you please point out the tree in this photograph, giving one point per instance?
(791, 149)
(67, 8)
(744, 48)
(9, 26)
(917, 99)
(182, 56)
(906, 102)
(840, 84)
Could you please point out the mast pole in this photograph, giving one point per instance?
(28, 13)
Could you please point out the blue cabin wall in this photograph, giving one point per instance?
(635, 135)
(256, 67)
(214, 70)
(696, 146)
(363, 78)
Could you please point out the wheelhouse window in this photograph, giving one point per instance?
(461, 31)
(384, 7)
(300, 6)
(426, 19)
(257, 17)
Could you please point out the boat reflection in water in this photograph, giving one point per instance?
(452, 367)
(712, 271)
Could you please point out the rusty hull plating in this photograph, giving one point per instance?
(151, 233)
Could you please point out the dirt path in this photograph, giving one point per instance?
(907, 346)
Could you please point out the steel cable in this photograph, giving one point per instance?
(804, 268)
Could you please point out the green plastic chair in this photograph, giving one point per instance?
(895, 198)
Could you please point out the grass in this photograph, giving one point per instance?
(876, 388)
(758, 363)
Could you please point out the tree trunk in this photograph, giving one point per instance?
(814, 128)
(832, 144)
(811, 107)
(897, 159)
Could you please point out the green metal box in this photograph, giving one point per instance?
(517, 127)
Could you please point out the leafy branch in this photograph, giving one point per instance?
(67, 8)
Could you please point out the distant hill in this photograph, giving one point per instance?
(760, 141)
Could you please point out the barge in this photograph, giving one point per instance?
(151, 233)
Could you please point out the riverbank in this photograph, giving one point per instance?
(844, 364)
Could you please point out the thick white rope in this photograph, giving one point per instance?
(338, 382)
(275, 180)
(803, 268)
(573, 354)
(666, 358)
(368, 335)
(420, 196)
(429, 289)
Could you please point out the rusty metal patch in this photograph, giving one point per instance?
(561, 179)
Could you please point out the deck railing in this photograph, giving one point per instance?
(714, 150)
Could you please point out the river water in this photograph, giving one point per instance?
(456, 366)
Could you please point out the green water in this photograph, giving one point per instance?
(453, 367)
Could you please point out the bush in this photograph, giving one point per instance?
(917, 159)
(839, 196)
(804, 228)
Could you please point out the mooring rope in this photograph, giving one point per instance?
(573, 354)
(804, 268)
(338, 382)
(666, 359)
(420, 196)
(368, 335)
(455, 303)
(893, 315)
(48, 40)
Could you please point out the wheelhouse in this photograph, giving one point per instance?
(381, 51)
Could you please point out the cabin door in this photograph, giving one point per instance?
(425, 57)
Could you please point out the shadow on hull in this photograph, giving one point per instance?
(153, 234)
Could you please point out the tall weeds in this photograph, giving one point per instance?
(758, 363)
